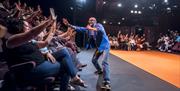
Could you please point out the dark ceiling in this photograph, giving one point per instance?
(78, 11)
(150, 11)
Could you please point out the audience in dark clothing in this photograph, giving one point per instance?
(30, 36)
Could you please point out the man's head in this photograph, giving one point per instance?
(92, 20)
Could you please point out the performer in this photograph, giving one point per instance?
(91, 40)
(102, 45)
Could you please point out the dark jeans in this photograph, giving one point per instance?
(91, 42)
(64, 67)
(48, 69)
(37, 75)
(63, 56)
(73, 56)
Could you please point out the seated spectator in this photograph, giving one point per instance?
(19, 48)
(114, 42)
(177, 44)
(132, 44)
(167, 43)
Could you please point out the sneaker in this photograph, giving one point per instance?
(106, 82)
(79, 82)
(106, 85)
(56, 89)
(69, 88)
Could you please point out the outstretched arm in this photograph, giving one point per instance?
(49, 36)
(21, 38)
(91, 28)
(76, 28)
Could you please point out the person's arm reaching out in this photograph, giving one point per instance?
(49, 37)
(76, 28)
(21, 38)
(91, 28)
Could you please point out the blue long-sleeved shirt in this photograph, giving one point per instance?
(102, 40)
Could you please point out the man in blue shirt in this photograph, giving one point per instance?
(102, 45)
(91, 39)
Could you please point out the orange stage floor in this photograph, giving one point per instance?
(166, 66)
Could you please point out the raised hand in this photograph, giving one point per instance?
(39, 9)
(30, 9)
(51, 58)
(53, 16)
(24, 6)
(58, 25)
(17, 7)
(89, 27)
(19, 3)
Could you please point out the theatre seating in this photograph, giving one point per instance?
(16, 79)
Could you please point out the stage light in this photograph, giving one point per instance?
(119, 5)
(154, 5)
(139, 12)
(168, 8)
(135, 12)
(166, 1)
(104, 22)
(135, 6)
(104, 2)
(119, 23)
(71, 8)
(175, 6)
(81, 1)
(132, 11)
(123, 19)
(150, 7)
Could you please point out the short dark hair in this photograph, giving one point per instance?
(15, 26)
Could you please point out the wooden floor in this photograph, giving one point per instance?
(165, 66)
(124, 76)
